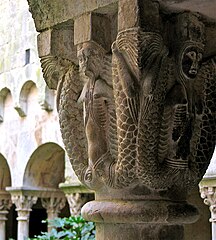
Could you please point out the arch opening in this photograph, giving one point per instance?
(45, 168)
(5, 94)
(28, 90)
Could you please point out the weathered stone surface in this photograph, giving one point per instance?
(132, 212)
(206, 7)
(50, 13)
(138, 231)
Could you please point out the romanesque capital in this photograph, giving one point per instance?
(208, 193)
(76, 201)
(148, 107)
(53, 205)
(136, 106)
(5, 204)
(23, 205)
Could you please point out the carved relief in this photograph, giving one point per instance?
(5, 204)
(85, 85)
(209, 196)
(169, 102)
(99, 112)
(76, 201)
(152, 121)
(53, 205)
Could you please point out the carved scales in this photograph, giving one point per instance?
(152, 121)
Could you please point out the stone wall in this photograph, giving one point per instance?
(27, 107)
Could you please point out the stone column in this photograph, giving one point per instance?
(145, 88)
(23, 207)
(53, 206)
(209, 196)
(5, 205)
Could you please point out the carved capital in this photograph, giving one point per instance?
(23, 205)
(76, 201)
(5, 204)
(53, 204)
(147, 100)
(209, 196)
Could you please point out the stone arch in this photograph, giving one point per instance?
(45, 168)
(22, 105)
(5, 175)
(4, 92)
(48, 102)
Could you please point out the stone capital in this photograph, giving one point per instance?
(76, 201)
(23, 202)
(23, 206)
(208, 193)
(53, 204)
(5, 204)
(137, 114)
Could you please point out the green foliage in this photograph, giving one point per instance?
(75, 228)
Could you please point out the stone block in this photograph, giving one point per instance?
(138, 13)
(57, 42)
(128, 14)
(93, 27)
(82, 29)
(44, 43)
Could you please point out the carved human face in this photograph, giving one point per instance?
(191, 60)
(90, 60)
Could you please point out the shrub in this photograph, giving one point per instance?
(75, 228)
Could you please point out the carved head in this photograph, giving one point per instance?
(90, 56)
(191, 33)
(191, 60)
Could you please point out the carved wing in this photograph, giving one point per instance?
(54, 68)
(126, 93)
(125, 51)
(63, 75)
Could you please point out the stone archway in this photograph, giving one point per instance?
(29, 88)
(43, 173)
(45, 168)
(3, 94)
(5, 199)
(5, 176)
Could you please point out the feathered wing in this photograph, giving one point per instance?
(64, 75)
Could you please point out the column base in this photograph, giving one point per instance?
(146, 219)
(149, 211)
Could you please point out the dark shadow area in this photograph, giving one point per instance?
(37, 215)
(11, 224)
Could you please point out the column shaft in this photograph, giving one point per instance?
(23, 226)
(139, 231)
(5, 204)
(3, 219)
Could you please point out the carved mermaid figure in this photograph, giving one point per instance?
(149, 119)
(99, 112)
(169, 101)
